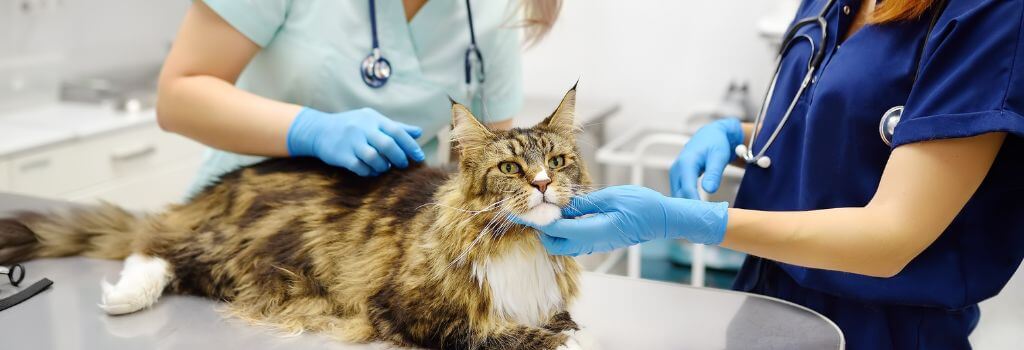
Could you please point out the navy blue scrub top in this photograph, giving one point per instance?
(830, 155)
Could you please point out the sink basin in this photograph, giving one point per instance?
(131, 89)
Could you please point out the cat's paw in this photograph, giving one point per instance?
(142, 281)
(579, 340)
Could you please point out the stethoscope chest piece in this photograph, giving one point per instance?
(376, 69)
(762, 161)
(887, 126)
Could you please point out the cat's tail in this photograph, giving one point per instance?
(105, 231)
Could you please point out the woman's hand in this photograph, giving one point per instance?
(707, 153)
(627, 215)
(362, 140)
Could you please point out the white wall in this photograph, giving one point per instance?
(660, 59)
(89, 35)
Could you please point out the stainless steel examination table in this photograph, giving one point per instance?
(622, 313)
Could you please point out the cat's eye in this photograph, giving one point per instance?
(556, 162)
(510, 168)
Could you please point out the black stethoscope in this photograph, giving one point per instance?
(376, 70)
(890, 118)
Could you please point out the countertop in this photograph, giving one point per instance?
(30, 128)
(622, 313)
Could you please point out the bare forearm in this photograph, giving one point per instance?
(853, 240)
(922, 189)
(216, 113)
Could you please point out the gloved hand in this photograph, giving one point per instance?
(708, 152)
(362, 140)
(627, 215)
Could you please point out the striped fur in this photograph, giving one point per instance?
(303, 246)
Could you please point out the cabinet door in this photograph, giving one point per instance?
(150, 191)
(57, 170)
(81, 164)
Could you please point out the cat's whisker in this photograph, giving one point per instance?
(602, 210)
(487, 208)
(460, 259)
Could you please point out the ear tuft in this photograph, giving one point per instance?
(563, 119)
(468, 133)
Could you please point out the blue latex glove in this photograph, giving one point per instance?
(627, 215)
(708, 152)
(362, 140)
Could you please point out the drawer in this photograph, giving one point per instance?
(5, 175)
(143, 150)
(149, 192)
(82, 163)
(50, 172)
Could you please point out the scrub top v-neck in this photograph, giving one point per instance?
(829, 154)
(311, 52)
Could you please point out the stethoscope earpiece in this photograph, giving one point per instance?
(15, 273)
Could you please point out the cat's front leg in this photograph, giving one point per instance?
(525, 338)
(577, 338)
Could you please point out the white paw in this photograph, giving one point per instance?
(142, 281)
(579, 340)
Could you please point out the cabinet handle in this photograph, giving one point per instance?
(125, 154)
(35, 164)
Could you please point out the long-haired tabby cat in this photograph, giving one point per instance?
(416, 257)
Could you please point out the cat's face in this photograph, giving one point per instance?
(530, 173)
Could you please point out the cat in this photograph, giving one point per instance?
(414, 257)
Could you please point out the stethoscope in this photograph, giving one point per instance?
(376, 70)
(886, 126)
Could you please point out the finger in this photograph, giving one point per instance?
(557, 246)
(689, 171)
(412, 130)
(401, 135)
(675, 178)
(356, 166)
(386, 146)
(717, 160)
(516, 220)
(582, 230)
(586, 204)
(371, 157)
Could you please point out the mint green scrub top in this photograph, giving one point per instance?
(312, 51)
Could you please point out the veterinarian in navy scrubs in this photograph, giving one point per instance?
(897, 243)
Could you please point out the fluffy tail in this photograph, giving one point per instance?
(105, 231)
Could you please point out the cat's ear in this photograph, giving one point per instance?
(467, 133)
(563, 119)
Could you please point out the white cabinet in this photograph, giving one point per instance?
(5, 175)
(55, 170)
(150, 191)
(137, 167)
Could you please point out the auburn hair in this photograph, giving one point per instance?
(899, 10)
(538, 16)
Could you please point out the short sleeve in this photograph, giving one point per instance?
(972, 79)
(502, 52)
(258, 20)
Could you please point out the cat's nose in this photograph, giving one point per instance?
(541, 185)
(541, 181)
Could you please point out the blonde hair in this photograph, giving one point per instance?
(899, 10)
(538, 16)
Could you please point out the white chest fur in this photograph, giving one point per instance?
(523, 286)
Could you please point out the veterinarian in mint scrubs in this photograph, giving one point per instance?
(895, 243)
(271, 78)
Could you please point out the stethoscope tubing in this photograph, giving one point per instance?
(889, 119)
